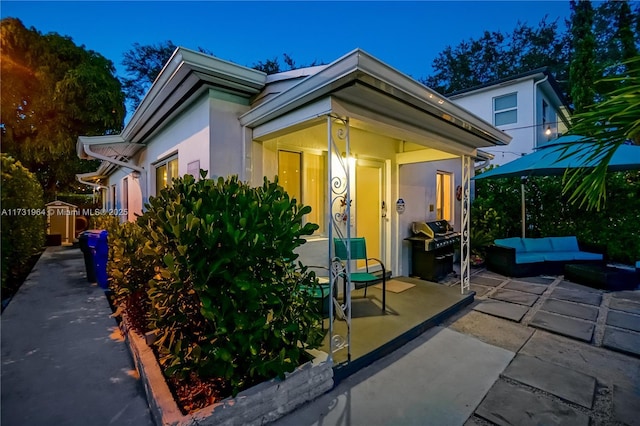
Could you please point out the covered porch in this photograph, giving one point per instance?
(371, 151)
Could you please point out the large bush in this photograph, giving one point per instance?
(23, 221)
(549, 213)
(226, 301)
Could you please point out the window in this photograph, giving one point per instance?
(505, 109)
(444, 199)
(125, 198)
(302, 175)
(165, 172)
(112, 200)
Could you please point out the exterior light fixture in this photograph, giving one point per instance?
(548, 131)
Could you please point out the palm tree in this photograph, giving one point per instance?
(610, 123)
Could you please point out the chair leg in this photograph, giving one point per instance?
(365, 291)
(384, 293)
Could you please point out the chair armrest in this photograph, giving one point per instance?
(384, 272)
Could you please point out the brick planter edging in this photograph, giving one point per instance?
(258, 405)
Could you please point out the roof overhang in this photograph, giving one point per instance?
(360, 80)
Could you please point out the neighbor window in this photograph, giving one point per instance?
(165, 172)
(303, 176)
(505, 109)
(444, 199)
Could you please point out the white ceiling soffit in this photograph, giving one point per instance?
(359, 66)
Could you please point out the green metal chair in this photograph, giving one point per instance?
(358, 249)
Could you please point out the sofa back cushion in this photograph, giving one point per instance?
(537, 244)
(515, 243)
(565, 243)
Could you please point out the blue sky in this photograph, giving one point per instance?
(405, 35)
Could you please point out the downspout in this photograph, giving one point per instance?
(482, 165)
(126, 165)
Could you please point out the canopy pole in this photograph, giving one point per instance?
(523, 181)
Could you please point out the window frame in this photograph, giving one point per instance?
(497, 111)
(444, 197)
(165, 163)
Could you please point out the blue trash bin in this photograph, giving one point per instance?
(99, 246)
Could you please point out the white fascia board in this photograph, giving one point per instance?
(359, 65)
(180, 76)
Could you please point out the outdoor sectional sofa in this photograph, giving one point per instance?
(521, 257)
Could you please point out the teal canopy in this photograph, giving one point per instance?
(566, 152)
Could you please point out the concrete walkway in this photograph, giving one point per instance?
(64, 361)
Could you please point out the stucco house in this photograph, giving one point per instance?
(530, 107)
(370, 149)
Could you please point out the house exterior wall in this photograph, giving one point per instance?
(417, 187)
(523, 131)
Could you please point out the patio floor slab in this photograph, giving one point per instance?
(625, 305)
(570, 309)
(562, 382)
(622, 341)
(507, 405)
(570, 327)
(480, 289)
(526, 287)
(585, 297)
(627, 295)
(579, 287)
(625, 405)
(500, 309)
(537, 280)
(493, 330)
(515, 297)
(624, 320)
(491, 282)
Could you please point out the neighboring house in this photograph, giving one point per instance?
(529, 107)
(407, 148)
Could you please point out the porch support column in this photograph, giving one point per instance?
(465, 229)
(339, 210)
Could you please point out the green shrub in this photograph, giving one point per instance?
(108, 222)
(226, 302)
(129, 271)
(23, 221)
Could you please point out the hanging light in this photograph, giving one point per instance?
(548, 131)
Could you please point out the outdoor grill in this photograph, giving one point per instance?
(432, 249)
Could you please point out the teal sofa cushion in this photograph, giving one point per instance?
(529, 257)
(537, 244)
(564, 243)
(584, 255)
(515, 243)
(560, 256)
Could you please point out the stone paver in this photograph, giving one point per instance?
(515, 297)
(493, 330)
(626, 405)
(624, 320)
(574, 328)
(570, 309)
(508, 405)
(509, 311)
(585, 297)
(491, 282)
(574, 286)
(627, 294)
(622, 341)
(526, 287)
(480, 289)
(560, 381)
(537, 280)
(625, 305)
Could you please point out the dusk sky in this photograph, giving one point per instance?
(406, 35)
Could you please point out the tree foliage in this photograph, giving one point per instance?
(52, 92)
(496, 55)
(23, 222)
(582, 69)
